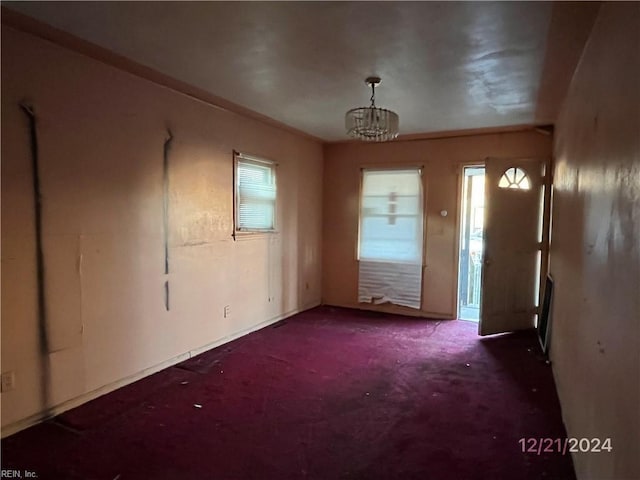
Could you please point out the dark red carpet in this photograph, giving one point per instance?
(327, 394)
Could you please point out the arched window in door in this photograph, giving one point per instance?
(515, 178)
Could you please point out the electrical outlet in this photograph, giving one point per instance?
(227, 311)
(8, 381)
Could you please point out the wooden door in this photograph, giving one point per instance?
(513, 244)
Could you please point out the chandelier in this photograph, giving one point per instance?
(372, 124)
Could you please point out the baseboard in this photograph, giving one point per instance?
(27, 422)
(394, 310)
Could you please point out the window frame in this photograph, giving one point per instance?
(238, 159)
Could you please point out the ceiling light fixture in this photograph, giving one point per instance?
(372, 124)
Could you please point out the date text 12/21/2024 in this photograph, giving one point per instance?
(565, 445)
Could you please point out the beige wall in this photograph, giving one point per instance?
(595, 250)
(442, 160)
(101, 144)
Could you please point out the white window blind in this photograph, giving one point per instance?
(255, 200)
(391, 237)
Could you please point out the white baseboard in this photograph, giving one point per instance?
(27, 422)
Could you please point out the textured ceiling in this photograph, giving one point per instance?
(444, 66)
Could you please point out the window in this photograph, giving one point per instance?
(514, 178)
(391, 237)
(391, 216)
(255, 194)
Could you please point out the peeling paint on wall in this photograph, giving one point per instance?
(165, 198)
(165, 211)
(103, 237)
(43, 332)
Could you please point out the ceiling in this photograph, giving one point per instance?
(444, 66)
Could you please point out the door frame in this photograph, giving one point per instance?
(547, 184)
(458, 230)
(459, 191)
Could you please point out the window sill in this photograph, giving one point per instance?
(250, 234)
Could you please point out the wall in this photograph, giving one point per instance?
(442, 160)
(101, 136)
(595, 249)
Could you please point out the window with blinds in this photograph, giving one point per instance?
(391, 237)
(255, 194)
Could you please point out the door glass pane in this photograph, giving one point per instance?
(515, 178)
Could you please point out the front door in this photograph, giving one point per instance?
(513, 244)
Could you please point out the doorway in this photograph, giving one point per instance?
(471, 243)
